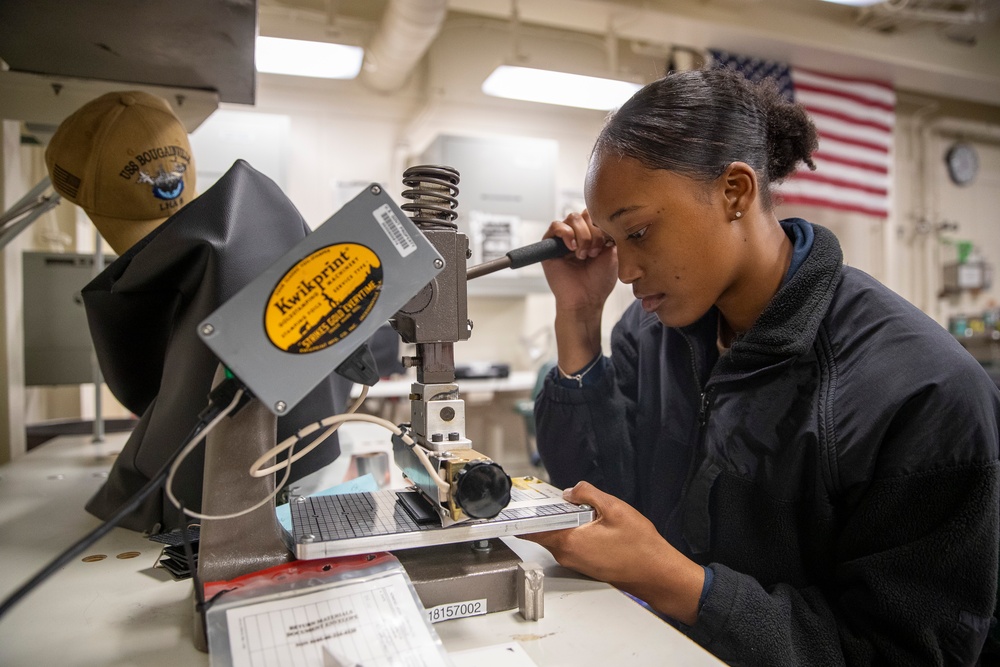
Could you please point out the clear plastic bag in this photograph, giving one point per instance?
(357, 610)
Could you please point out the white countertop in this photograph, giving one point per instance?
(122, 611)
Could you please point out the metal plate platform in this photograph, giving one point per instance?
(344, 525)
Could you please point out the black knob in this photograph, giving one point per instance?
(482, 489)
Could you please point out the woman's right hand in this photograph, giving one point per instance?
(581, 280)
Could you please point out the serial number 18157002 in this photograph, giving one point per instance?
(445, 612)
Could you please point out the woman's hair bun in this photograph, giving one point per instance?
(791, 135)
(698, 122)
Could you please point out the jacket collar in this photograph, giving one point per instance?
(789, 323)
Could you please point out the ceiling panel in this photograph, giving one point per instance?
(195, 44)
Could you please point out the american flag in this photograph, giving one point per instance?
(854, 119)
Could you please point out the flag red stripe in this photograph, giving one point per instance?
(852, 141)
(840, 206)
(878, 169)
(860, 99)
(847, 118)
(819, 178)
(848, 79)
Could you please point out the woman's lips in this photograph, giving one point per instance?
(652, 302)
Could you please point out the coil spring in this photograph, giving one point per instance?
(433, 191)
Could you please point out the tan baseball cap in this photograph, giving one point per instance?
(125, 159)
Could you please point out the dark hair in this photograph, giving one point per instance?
(697, 123)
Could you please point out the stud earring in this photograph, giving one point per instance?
(739, 214)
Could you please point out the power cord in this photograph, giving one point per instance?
(189, 447)
(336, 420)
(291, 441)
(228, 390)
(285, 465)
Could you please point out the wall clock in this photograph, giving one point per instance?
(963, 163)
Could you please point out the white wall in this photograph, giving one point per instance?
(342, 132)
(12, 188)
(927, 200)
(342, 135)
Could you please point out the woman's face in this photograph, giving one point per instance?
(676, 246)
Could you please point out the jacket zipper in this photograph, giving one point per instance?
(706, 400)
(694, 362)
(704, 395)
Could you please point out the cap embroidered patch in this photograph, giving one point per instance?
(123, 158)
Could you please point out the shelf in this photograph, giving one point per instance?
(507, 285)
(985, 347)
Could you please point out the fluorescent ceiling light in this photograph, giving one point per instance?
(855, 3)
(316, 59)
(548, 87)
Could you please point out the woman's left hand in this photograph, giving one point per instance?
(623, 548)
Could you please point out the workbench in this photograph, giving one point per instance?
(121, 610)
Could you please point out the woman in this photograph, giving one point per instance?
(787, 459)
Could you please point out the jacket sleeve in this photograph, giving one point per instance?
(584, 433)
(915, 564)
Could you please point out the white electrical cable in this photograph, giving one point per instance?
(212, 517)
(255, 470)
(286, 465)
(339, 419)
(187, 450)
(189, 447)
(333, 421)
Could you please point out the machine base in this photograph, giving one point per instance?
(467, 572)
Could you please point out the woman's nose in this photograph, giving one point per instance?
(628, 270)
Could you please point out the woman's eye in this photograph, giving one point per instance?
(637, 234)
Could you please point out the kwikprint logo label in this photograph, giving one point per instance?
(323, 298)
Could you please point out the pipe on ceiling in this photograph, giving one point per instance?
(963, 12)
(407, 29)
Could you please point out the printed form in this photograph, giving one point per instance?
(371, 623)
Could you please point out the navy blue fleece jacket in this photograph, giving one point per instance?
(837, 469)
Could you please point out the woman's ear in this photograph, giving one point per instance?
(739, 184)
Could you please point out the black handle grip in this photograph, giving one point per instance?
(537, 252)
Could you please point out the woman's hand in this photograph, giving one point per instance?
(624, 549)
(581, 282)
(584, 278)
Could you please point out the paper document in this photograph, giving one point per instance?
(374, 623)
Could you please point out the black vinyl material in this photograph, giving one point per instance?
(143, 311)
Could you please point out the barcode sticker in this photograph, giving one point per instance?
(394, 229)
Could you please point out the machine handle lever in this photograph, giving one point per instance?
(537, 252)
(519, 257)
